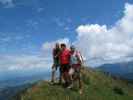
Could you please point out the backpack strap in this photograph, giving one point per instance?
(79, 56)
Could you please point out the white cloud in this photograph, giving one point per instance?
(7, 3)
(49, 45)
(13, 38)
(84, 29)
(98, 42)
(24, 62)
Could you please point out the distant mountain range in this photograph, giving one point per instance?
(123, 69)
(9, 87)
(16, 81)
(9, 92)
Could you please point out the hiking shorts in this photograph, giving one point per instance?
(56, 62)
(64, 68)
(76, 70)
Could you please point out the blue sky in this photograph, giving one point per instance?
(28, 26)
(33, 22)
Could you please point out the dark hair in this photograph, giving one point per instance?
(63, 45)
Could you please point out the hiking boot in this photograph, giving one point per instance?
(52, 82)
(80, 91)
(70, 86)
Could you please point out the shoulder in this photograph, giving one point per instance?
(67, 50)
(78, 53)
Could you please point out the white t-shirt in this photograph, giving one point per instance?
(75, 57)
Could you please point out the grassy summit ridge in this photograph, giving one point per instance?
(97, 86)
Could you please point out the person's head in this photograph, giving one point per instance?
(63, 46)
(57, 45)
(72, 47)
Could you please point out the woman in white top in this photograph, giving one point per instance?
(75, 62)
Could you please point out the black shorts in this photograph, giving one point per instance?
(64, 68)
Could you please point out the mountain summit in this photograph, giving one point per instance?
(97, 86)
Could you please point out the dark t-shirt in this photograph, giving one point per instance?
(56, 53)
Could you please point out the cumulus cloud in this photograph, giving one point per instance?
(107, 44)
(7, 3)
(100, 44)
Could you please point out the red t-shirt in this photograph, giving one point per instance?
(65, 57)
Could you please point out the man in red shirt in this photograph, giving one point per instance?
(65, 64)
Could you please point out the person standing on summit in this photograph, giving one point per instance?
(56, 61)
(65, 64)
(76, 61)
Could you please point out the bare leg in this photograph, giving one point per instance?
(53, 74)
(60, 77)
(80, 84)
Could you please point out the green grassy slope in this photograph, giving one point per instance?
(97, 86)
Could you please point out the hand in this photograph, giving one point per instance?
(53, 66)
(55, 56)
